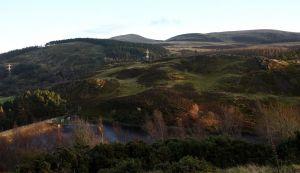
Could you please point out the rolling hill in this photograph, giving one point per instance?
(195, 37)
(79, 71)
(135, 39)
(64, 60)
(105, 78)
(246, 36)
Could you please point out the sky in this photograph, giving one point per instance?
(26, 23)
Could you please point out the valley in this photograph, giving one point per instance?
(240, 88)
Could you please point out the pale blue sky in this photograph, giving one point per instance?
(35, 22)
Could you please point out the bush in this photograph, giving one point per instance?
(225, 152)
(73, 159)
(258, 169)
(142, 151)
(221, 151)
(107, 156)
(153, 76)
(125, 166)
(191, 165)
(278, 122)
(289, 150)
(171, 155)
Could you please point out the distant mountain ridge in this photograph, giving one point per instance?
(134, 38)
(245, 36)
(261, 36)
(195, 37)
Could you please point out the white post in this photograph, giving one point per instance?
(147, 55)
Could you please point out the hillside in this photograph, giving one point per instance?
(246, 36)
(238, 92)
(61, 61)
(135, 39)
(195, 37)
(183, 87)
(128, 90)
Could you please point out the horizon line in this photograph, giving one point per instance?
(110, 37)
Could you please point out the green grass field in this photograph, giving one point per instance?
(5, 99)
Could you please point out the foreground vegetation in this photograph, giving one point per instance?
(176, 156)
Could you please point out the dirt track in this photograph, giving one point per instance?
(31, 129)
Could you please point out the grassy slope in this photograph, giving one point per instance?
(204, 82)
(209, 86)
(201, 82)
(5, 99)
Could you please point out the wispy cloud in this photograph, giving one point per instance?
(164, 22)
(103, 29)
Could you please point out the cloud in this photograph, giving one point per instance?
(103, 29)
(164, 22)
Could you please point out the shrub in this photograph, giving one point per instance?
(289, 150)
(84, 134)
(190, 164)
(36, 166)
(169, 155)
(153, 76)
(226, 152)
(125, 166)
(105, 156)
(257, 169)
(220, 151)
(278, 122)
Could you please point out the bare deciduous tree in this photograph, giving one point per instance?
(118, 130)
(156, 127)
(83, 134)
(181, 132)
(231, 120)
(100, 128)
(278, 122)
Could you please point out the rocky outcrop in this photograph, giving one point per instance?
(273, 64)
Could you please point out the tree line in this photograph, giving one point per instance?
(29, 107)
